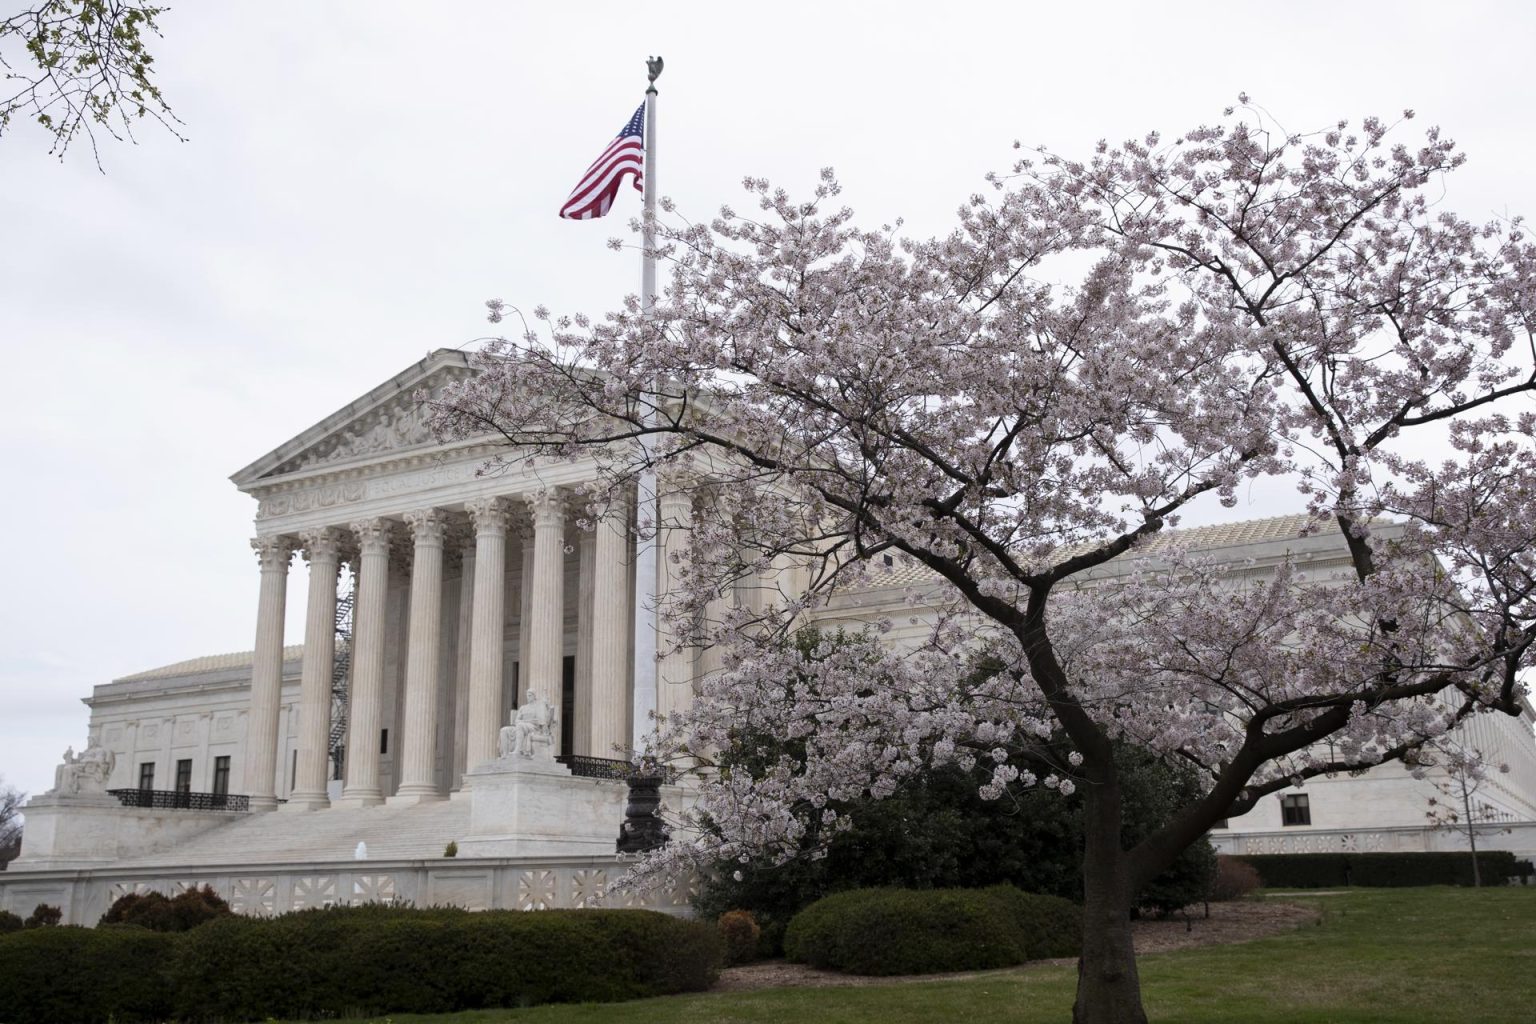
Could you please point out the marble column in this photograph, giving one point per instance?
(581, 732)
(610, 634)
(273, 555)
(489, 516)
(423, 665)
(545, 637)
(323, 550)
(365, 711)
(461, 664)
(674, 672)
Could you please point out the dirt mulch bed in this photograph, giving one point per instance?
(1228, 923)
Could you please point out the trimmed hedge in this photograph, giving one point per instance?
(85, 975)
(1333, 870)
(161, 913)
(912, 931)
(359, 961)
(352, 961)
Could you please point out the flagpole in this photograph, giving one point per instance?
(647, 506)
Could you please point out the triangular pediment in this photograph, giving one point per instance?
(387, 420)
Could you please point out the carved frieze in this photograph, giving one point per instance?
(326, 496)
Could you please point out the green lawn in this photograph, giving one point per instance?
(1448, 956)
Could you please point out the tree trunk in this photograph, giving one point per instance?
(1108, 988)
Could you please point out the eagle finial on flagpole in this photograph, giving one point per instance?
(653, 66)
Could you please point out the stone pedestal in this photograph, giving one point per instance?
(92, 829)
(533, 807)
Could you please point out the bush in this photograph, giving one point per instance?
(741, 934)
(1333, 870)
(43, 916)
(85, 976)
(907, 931)
(1234, 879)
(9, 922)
(162, 913)
(359, 961)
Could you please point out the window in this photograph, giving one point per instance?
(183, 787)
(1295, 810)
(147, 775)
(221, 776)
(383, 741)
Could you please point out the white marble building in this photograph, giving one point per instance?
(472, 589)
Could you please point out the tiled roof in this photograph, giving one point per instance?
(207, 663)
(907, 572)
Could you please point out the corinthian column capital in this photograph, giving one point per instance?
(429, 526)
(489, 515)
(373, 535)
(322, 545)
(547, 507)
(273, 553)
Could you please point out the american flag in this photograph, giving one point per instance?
(625, 155)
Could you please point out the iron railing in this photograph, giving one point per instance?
(182, 801)
(584, 767)
(596, 767)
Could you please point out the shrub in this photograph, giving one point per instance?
(9, 922)
(377, 959)
(85, 976)
(44, 916)
(452, 849)
(162, 913)
(1330, 870)
(741, 934)
(907, 931)
(1234, 879)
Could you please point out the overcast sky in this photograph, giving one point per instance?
(360, 177)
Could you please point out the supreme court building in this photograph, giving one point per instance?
(339, 766)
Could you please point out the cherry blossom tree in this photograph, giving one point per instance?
(1023, 406)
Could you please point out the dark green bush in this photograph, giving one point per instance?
(43, 916)
(9, 922)
(162, 913)
(359, 961)
(1330, 870)
(85, 976)
(907, 931)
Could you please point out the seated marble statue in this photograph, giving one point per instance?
(85, 772)
(532, 729)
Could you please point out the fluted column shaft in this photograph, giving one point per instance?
(610, 634)
(674, 673)
(423, 666)
(490, 519)
(581, 709)
(273, 555)
(365, 703)
(461, 664)
(546, 635)
(323, 549)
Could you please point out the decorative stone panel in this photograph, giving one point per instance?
(373, 889)
(588, 887)
(256, 897)
(311, 891)
(536, 890)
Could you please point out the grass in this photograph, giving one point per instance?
(1380, 956)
